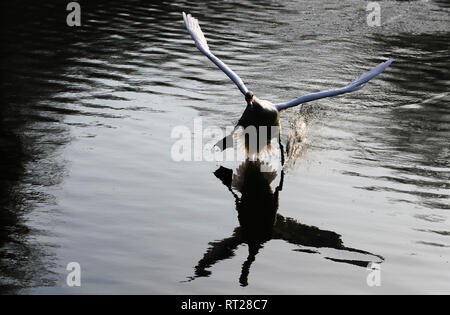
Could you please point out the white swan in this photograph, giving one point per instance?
(260, 112)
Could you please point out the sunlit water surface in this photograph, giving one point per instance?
(87, 173)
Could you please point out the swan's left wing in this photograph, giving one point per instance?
(200, 41)
(353, 86)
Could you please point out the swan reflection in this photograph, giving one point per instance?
(257, 206)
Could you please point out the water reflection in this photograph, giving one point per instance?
(259, 222)
(30, 139)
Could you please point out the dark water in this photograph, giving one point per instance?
(85, 140)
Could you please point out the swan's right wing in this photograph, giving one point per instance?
(200, 41)
(353, 86)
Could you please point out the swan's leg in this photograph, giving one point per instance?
(253, 250)
(281, 149)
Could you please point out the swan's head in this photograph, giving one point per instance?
(249, 97)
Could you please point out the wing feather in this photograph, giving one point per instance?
(353, 86)
(200, 41)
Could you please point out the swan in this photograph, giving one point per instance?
(259, 113)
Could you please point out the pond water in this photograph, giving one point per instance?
(87, 174)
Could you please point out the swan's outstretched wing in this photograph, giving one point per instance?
(200, 41)
(353, 86)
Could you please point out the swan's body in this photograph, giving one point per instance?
(260, 117)
(258, 112)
